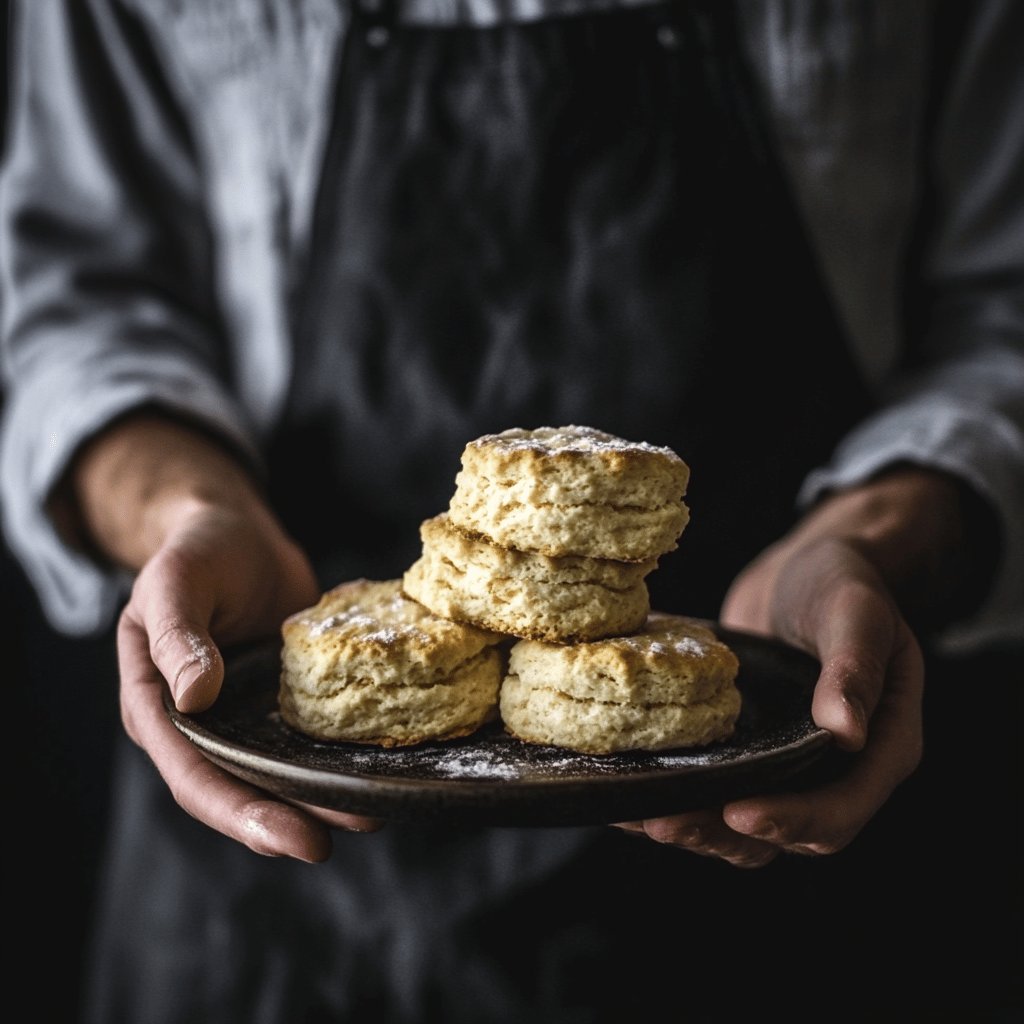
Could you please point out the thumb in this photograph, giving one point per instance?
(186, 656)
(173, 610)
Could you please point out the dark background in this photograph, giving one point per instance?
(929, 897)
(61, 709)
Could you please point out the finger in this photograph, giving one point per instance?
(186, 656)
(633, 827)
(341, 819)
(210, 795)
(706, 834)
(825, 820)
(747, 603)
(180, 645)
(855, 636)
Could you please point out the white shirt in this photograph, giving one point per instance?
(848, 93)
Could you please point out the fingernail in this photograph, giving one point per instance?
(190, 671)
(188, 675)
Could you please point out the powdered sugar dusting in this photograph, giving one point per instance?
(469, 762)
(686, 759)
(474, 764)
(644, 643)
(509, 760)
(368, 627)
(199, 646)
(570, 438)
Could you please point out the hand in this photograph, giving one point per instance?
(830, 588)
(827, 599)
(216, 569)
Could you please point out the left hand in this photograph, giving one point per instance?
(821, 590)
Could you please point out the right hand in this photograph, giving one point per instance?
(220, 577)
(214, 567)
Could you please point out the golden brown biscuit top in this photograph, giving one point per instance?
(567, 466)
(673, 658)
(676, 637)
(570, 442)
(377, 614)
(572, 438)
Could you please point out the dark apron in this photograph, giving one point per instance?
(572, 220)
(577, 220)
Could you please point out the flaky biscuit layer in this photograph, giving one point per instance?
(672, 684)
(467, 578)
(545, 715)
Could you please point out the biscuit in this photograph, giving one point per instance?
(467, 578)
(672, 685)
(572, 490)
(366, 664)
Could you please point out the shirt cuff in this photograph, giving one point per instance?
(981, 448)
(47, 420)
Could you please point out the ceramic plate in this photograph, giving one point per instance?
(491, 778)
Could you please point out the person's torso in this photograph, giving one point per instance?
(255, 80)
(543, 188)
(566, 220)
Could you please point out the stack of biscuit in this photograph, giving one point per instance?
(551, 533)
(547, 543)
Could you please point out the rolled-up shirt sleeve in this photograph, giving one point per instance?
(107, 292)
(958, 403)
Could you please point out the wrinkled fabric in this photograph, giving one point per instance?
(225, 108)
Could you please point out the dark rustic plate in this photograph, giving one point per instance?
(491, 778)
